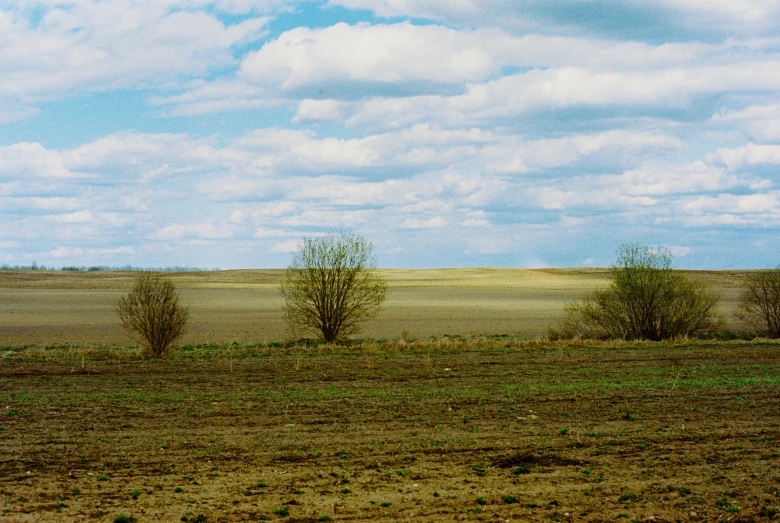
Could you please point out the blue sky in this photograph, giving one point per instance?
(534, 133)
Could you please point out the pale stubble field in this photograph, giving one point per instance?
(55, 307)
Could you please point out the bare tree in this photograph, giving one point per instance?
(332, 286)
(152, 312)
(759, 305)
(646, 299)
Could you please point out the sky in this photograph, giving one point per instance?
(449, 133)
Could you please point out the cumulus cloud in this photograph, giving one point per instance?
(416, 223)
(501, 128)
(73, 217)
(561, 88)
(66, 252)
(31, 159)
(347, 62)
(762, 122)
(107, 45)
(735, 204)
(200, 231)
(286, 246)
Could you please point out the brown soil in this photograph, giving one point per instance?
(647, 432)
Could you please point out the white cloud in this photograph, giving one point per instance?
(434, 223)
(557, 199)
(286, 246)
(735, 204)
(343, 62)
(84, 216)
(106, 45)
(31, 159)
(11, 114)
(744, 10)
(66, 252)
(679, 251)
(262, 233)
(747, 155)
(476, 219)
(328, 218)
(472, 222)
(761, 121)
(372, 53)
(565, 87)
(317, 110)
(126, 250)
(199, 231)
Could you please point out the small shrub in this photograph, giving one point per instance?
(510, 499)
(385, 504)
(564, 431)
(124, 519)
(646, 300)
(135, 493)
(324, 517)
(522, 469)
(481, 501)
(282, 512)
(261, 484)
(102, 478)
(759, 305)
(152, 312)
(332, 286)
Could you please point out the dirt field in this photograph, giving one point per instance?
(43, 307)
(492, 430)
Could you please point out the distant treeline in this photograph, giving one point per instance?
(97, 268)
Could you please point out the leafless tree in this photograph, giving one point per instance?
(646, 299)
(152, 312)
(332, 286)
(759, 305)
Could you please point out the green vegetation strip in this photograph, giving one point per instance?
(398, 377)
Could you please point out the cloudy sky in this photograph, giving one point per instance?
(450, 133)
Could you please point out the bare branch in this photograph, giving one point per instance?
(646, 299)
(332, 286)
(759, 305)
(152, 312)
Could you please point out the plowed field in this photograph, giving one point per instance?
(492, 430)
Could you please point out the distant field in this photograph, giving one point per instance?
(45, 307)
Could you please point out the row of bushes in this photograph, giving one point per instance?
(332, 287)
(648, 300)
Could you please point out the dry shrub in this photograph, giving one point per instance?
(646, 300)
(332, 286)
(759, 305)
(152, 313)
